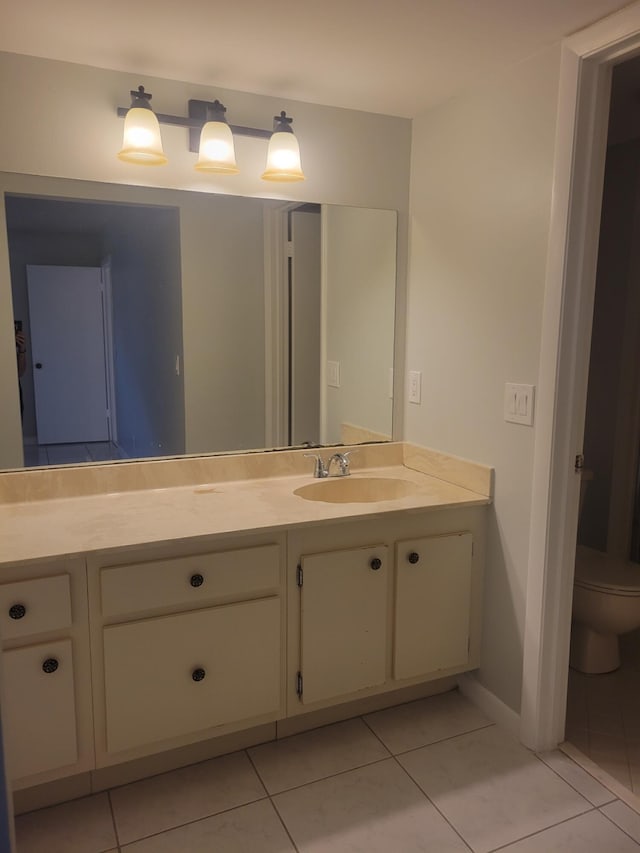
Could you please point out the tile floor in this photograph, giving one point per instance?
(434, 775)
(70, 454)
(603, 715)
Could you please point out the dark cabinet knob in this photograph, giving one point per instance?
(196, 580)
(17, 611)
(375, 563)
(38, 365)
(50, 665)
(413, 557)
(198, 674)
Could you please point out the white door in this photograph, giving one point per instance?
(305, 328)
(68, 353)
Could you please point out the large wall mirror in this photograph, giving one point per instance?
(160, 322)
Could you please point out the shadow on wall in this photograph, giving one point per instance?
(502, 634)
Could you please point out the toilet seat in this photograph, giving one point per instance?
(599, 571)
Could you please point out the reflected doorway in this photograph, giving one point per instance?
(135, 250)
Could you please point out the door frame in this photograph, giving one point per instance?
(109, 359)
(277, 251)
(581, 133)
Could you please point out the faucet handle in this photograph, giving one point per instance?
(347, 456)
(319, 469)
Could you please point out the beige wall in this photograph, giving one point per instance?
(63, 123)
(481, 186)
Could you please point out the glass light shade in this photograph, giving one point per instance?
(217, 153)
(142, 143)
(283, 158)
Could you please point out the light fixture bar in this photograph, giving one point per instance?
(210, 136)
(196, 120)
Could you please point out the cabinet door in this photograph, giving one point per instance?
(38, 708)
(432, 604)
(343, 622)
(174, 675)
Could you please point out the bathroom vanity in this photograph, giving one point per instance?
(210, 606)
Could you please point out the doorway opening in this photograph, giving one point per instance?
(602, 718)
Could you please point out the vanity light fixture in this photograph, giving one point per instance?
(209, 135)
(142, 143)
(283, 154)
(216, 149)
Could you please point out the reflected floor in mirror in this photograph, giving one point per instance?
(71, 454)
(603, 715)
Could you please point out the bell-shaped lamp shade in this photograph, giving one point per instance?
(283, 154)
(142, 143)
(217, 152)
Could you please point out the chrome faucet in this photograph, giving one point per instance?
(343, 461)
(322, 470)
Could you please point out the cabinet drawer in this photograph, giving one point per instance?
(38, 709)
(174, 675)
(200, 578)
(34, 606)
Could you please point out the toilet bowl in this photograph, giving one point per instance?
(606, 603)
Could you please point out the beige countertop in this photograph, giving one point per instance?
(63, 526)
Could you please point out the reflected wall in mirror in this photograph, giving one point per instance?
(226, 323)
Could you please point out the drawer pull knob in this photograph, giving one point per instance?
(50, 665)
(17, 611)
(198, 674)
(196, 580)
(413, 557)
(376, 563)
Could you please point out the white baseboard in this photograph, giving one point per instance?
(488, 702)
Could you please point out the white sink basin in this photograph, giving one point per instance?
(356, 489)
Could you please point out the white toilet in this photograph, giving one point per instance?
(606, 603)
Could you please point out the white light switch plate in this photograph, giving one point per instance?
(333, 374)
(415, 386)
(518, 403)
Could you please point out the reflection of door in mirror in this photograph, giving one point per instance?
(304, 325)
(68, 354)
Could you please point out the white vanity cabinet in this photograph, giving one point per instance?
(365, 618)
(117, 655)
(46, 672)
(343, 621)
(185, 645)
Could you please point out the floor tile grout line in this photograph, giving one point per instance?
(544, 829)
(144, 779)
(282, 821)
(622, 829)
(329, 776)
(430, 801)
(443, 740)
(195, 820)
(113, 819)
(566, 781)
(257, 772)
